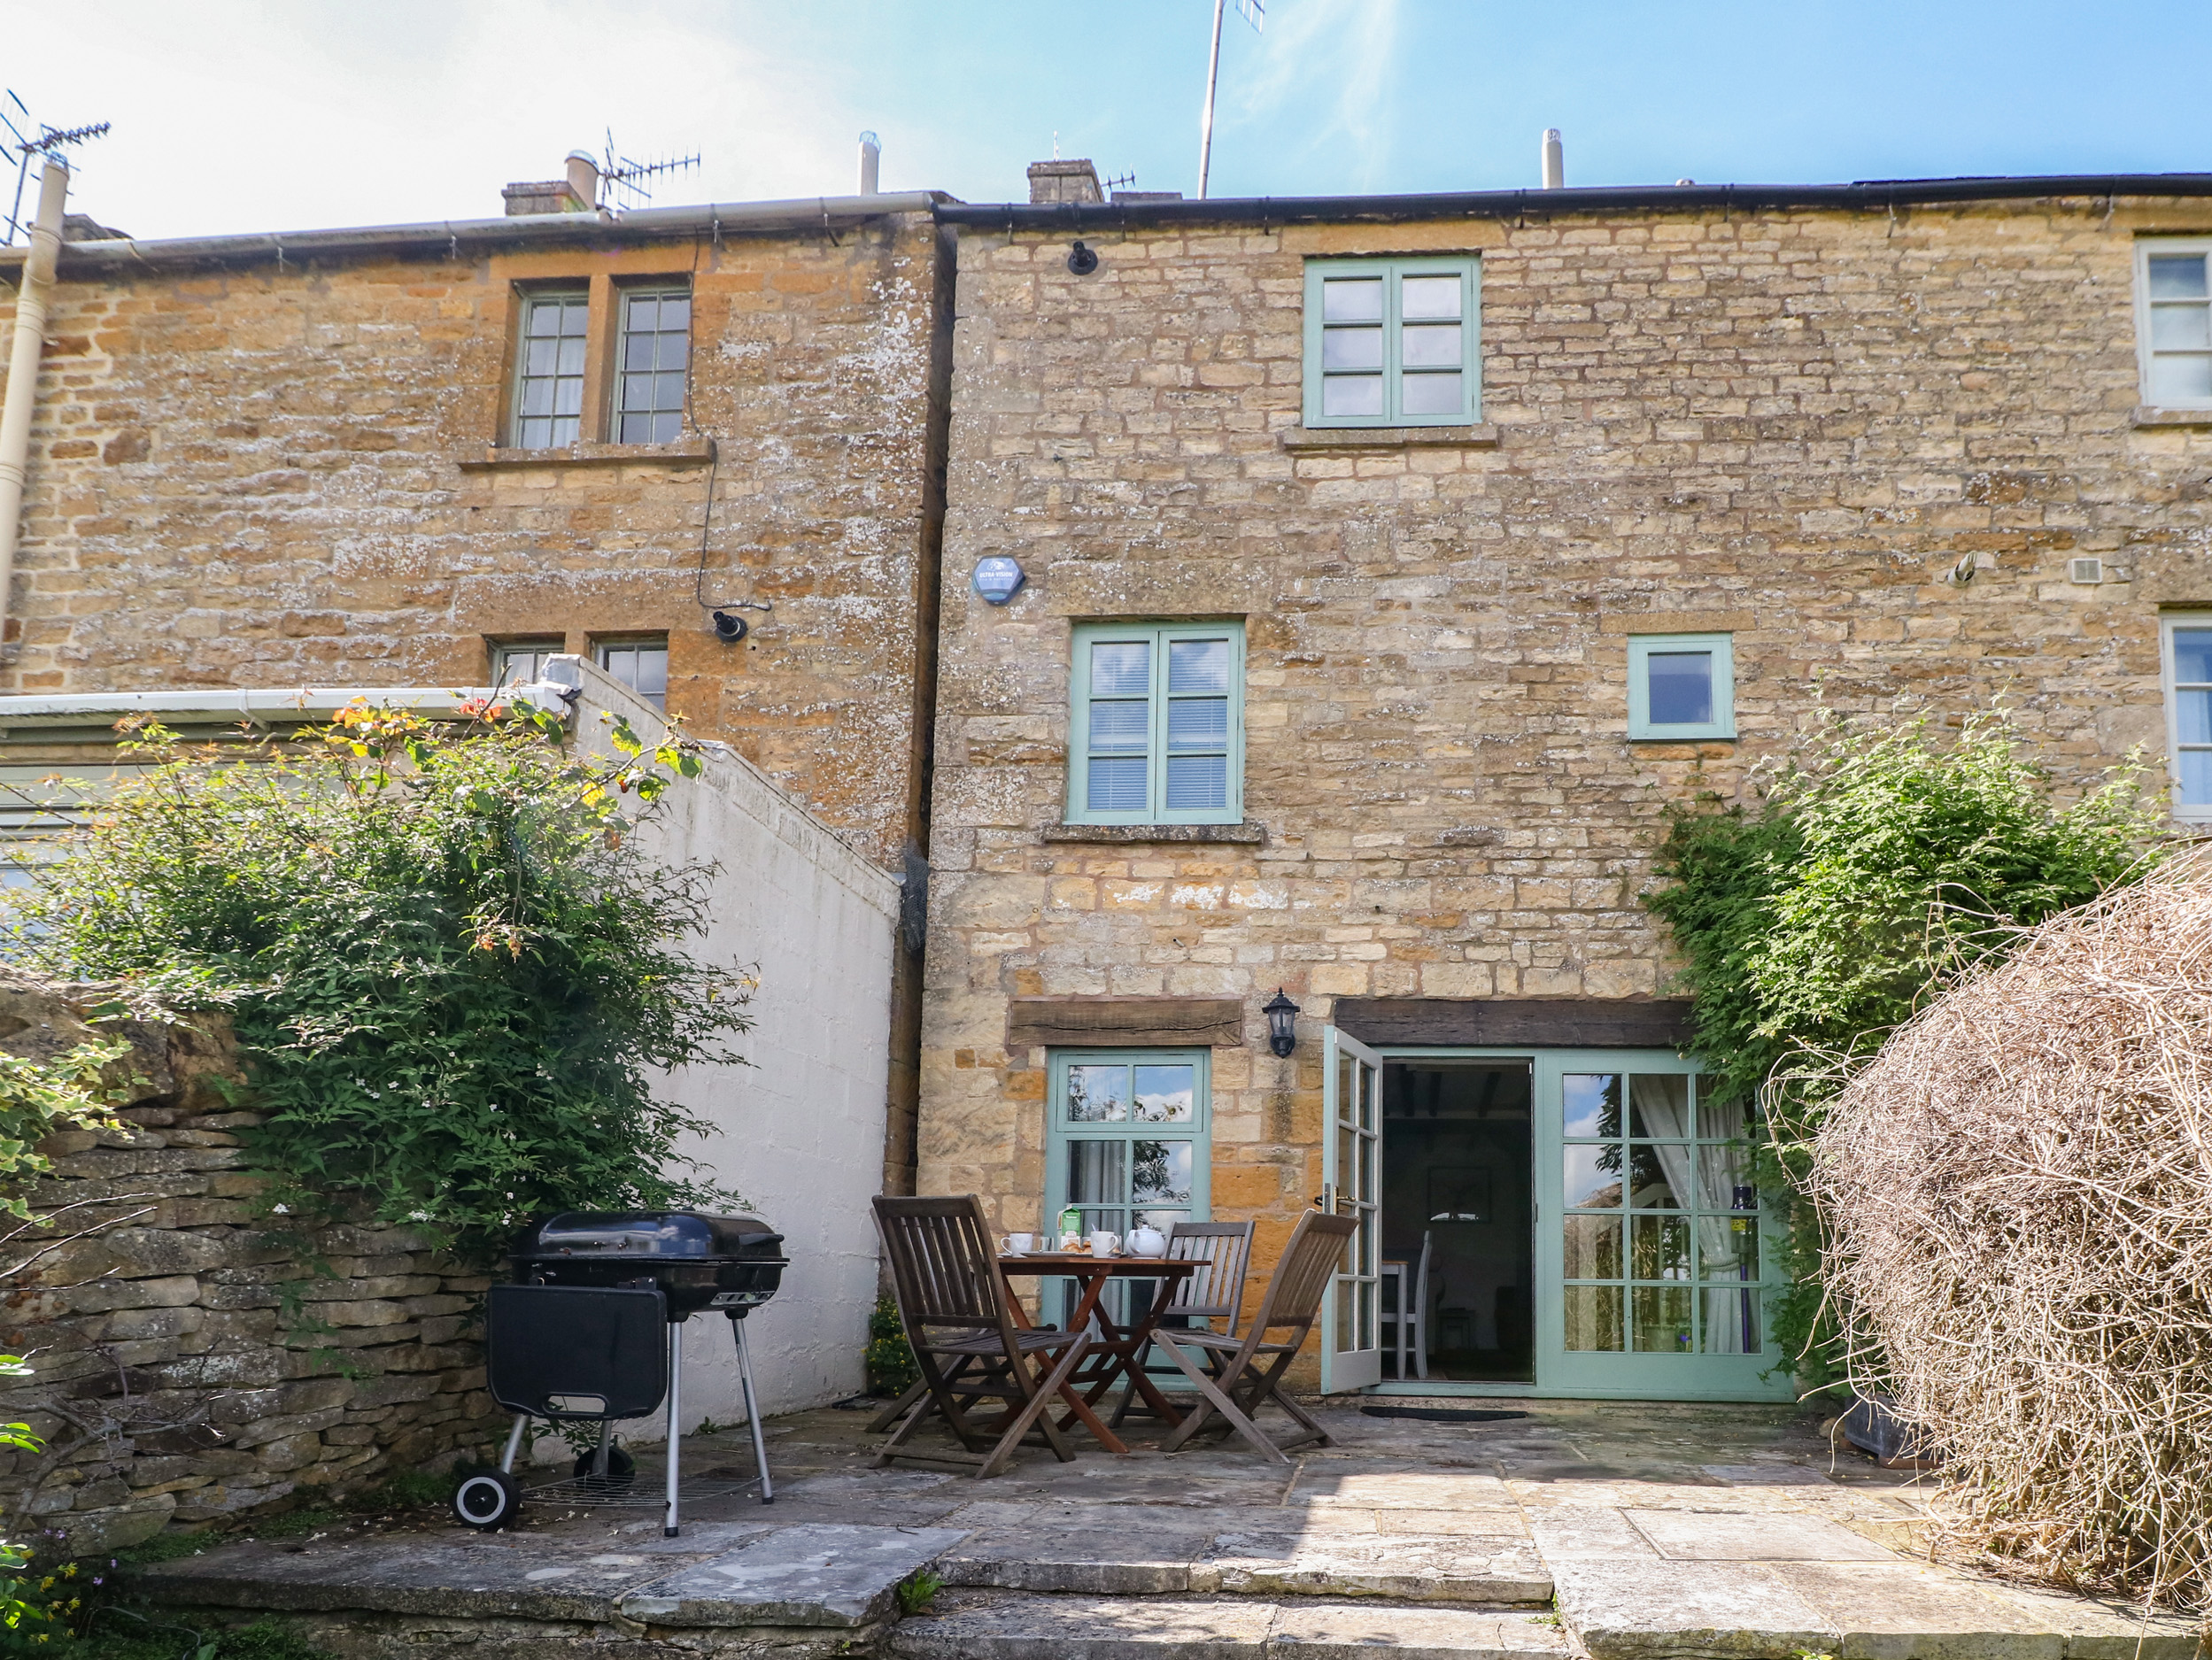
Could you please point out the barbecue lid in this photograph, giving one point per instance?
(648, 1233)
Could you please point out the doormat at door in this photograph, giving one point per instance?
(1441, 1415)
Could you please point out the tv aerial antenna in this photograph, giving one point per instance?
(1254, 12)
(631, 178)
(50, 139)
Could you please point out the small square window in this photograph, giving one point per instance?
(2173, 320)
(2189, 712)
(549, 368)
(1682, 686)
(522, 663)
(1391, 343)
(640, 664)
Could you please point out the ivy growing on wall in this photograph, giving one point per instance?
(1879, 863)
(452, 968)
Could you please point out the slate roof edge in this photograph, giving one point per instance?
(523, 230)
(1863, 196)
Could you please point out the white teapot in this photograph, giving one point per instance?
(1146, 1240)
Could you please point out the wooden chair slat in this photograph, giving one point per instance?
(1230, 1380)
(959, 1320)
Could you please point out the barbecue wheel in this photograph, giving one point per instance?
(488, 1500)
(620, 1468)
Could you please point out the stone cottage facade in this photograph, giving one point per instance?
(1873, 452)
(436, 454)
(1222, 599)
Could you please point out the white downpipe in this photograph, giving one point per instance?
(30, 342)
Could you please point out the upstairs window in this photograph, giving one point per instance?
(655, 356)
(2189, 712)
(641, 664)
(2173, 320)
(1391, 343)
(522, 663)
(549, 368)
(1682, 685)
(1157, 730)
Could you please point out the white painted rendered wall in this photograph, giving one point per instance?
(799, 1132)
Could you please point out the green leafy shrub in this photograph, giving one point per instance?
(39, 1099)
(450, 965)
(1878, 865)
(890, 1358)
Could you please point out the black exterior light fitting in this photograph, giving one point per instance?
(1082, 260)
(730, 628)
(1282, 1024)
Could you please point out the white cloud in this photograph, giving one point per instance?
(246, 115)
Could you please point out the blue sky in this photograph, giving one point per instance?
(238, 115)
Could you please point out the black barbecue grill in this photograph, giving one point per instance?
(591, 1329)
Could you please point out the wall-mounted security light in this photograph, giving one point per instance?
(1282, 1024)
(730, 628)
(1082, 260)
(998, 579)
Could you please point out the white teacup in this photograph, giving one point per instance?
(1104, 1244)
(1018, 1243)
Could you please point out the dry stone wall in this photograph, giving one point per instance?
(193, 1361)
(1789, 427)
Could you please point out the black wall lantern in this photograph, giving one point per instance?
(1082, 260)
(1282, 1024)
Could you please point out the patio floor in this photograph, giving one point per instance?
(1659, 1530)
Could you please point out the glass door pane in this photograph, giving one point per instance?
(1651, 1271)
(1127, 1145)
(1351, 1353)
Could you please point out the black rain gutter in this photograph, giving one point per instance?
(1874, 195)
(525, 230)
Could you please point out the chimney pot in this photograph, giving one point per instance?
(1554, 160)
(871, 162)
(584, 181)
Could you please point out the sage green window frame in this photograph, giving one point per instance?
(1468, 270)
(1160, 635)
(1643, 647)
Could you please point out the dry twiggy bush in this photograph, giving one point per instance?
(2019, 1195)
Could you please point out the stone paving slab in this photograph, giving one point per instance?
(838, 1575)
(1738, 1536)
(1655, 1610)
(1001, 1626)
(567, 1578)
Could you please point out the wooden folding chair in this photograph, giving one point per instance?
(960, 1322)
(1215, 1291)
(1233, 1382)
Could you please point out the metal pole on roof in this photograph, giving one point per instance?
(1205, 124)
(24, 353)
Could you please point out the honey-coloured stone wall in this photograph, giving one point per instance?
(273, 470)
(195, 1358)
(1794, 426)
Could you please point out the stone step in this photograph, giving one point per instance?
(1010, 1626)
(1156, 1558)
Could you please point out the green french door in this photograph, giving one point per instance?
(1653, 1243)
(1351, 1186)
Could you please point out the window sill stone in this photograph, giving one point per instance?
(1250, 833)
(2151, 415)
(1483, 436)
(692, 452)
